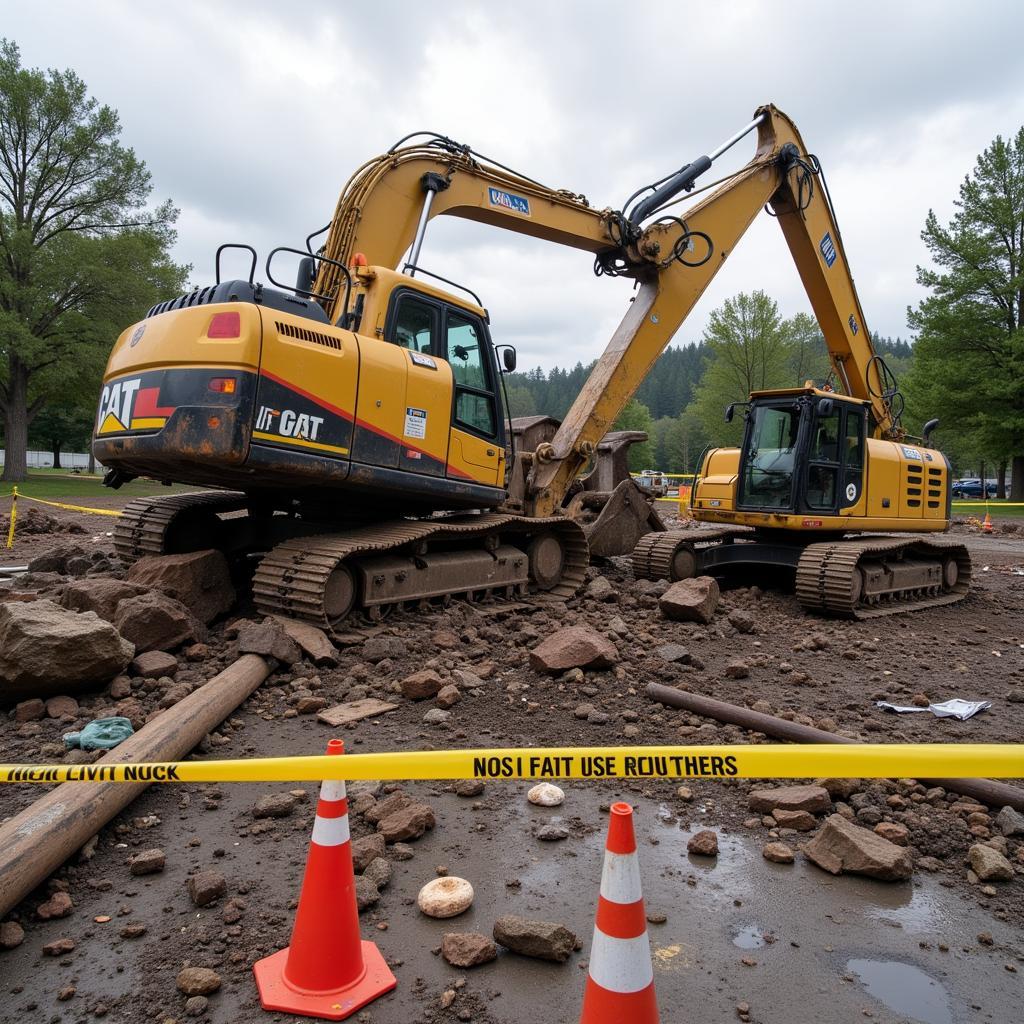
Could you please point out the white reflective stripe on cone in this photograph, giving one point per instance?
(620, 880)
(332, 789)
(621, 965)
(330, 831)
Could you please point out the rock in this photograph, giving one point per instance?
(148, 862)
(379, 872)
(200, 580)
(778, 853)
(544, 940)
(377, 648)
(1010, 822)
(685, 794)
(840, 789)
(422, 685)
(673, 653)
(741, 621)
(469, 787)
(814, 799)
(544, 794)
(58, 947)
(58, 905)
(99, 594)
(47, 650)
(56, 559)
(206, 886)
(11, 935)
(445, 897)
(269, 640)
(895, 833)
(195, 1006)
(466, 679)
(573, 647)
(989, 864)
(691, 600)
(703, 843)
(408, 823)
(382, 808)
(154, 664)
(198, 981)
(133, 930)
(154, 622)
(311, 705)
(367, 893)
(313, 641)
(448, 696)
(552, 833)
(737, 668)
(29, 710)
(467, 949)
(402, 851)
(600, 589)
(841, 846)
(62, 707)
(436, 716)
(800, 821)
(274, 805)
(367, 850)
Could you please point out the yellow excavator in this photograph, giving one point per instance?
(358, 419)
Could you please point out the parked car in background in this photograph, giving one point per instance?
(970, 487)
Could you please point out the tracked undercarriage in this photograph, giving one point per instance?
(854, 578)
(324, 573)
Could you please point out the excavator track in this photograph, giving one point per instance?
(860, 578)
(298, 578)
(148, 525)
(672, 555)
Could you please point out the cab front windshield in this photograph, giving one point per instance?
(768, 467)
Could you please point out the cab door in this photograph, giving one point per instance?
(476, 449)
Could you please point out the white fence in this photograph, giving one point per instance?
(44, 460)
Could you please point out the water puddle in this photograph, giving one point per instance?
(749, 937)
(904, 989)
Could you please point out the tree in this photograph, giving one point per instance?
(637, 417)
(56, 426)
(80, 254)
(750, 348)
(969, 353)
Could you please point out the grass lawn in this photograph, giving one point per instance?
(56, 485)
(994, 507)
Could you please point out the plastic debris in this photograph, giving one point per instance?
(101, 734)
(956, 708)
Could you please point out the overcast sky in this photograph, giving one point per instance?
(251, 117)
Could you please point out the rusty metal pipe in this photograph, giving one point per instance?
(34, 843)
(986, 791)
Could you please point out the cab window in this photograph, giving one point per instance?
(823, 471)
(474, 393)
(415, 325)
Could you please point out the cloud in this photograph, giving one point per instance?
(252, 124)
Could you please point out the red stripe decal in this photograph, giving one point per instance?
(621, 920)
(332, 808)
(146, 407)
(306, 394)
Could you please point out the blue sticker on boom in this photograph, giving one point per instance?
(828, 249)
(509, 200)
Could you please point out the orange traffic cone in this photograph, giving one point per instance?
(326, 971)
(620, 980)
(986, 524)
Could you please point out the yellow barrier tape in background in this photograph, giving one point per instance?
(14, 515)
(761, 761)
(71, 508)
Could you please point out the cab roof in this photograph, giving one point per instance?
(807, 390)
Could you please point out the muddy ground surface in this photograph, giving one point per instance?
(792, 942)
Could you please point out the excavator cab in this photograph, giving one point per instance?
(802, 454)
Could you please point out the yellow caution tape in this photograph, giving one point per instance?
(761, 761)
(14, 516)
(995, 503)
(71, 508)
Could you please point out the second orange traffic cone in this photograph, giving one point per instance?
(620, 979)
(326, 971)
(986, 524)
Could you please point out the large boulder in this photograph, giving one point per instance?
(814, 799)
(269, 640)
(56, 558)
(841, 847)
(199, 579)
(313, 641)
(47, 650)
(98, 594)
(545, 940)
(691, 600)
(155, 622)
(573, 647)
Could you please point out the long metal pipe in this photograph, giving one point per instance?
(34, 843)
(421, 230)
(986, 791)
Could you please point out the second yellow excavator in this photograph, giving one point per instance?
(358, 419)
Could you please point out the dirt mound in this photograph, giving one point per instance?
(37, 522)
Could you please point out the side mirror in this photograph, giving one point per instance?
(730, 411)
(508, 357)
(825, 407)
(928, 428)
(306, 276)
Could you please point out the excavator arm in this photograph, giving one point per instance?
(387, 203)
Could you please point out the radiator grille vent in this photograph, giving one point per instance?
(304, 334)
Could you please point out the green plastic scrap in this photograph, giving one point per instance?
(102, 734)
